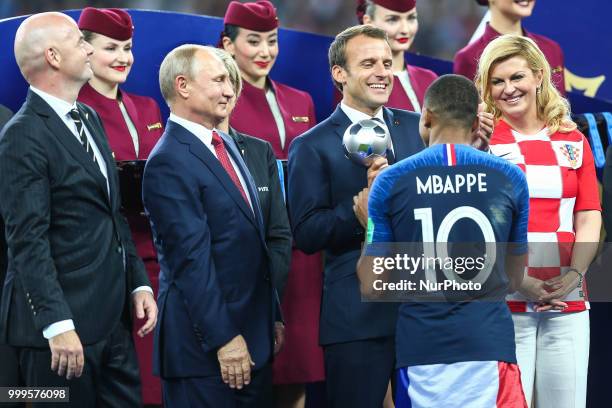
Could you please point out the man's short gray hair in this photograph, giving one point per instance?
(179, 61)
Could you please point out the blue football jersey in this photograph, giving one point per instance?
(453, 197)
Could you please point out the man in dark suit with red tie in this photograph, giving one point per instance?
(73, 273)
(214, 342)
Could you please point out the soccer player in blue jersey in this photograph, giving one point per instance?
(458, 353)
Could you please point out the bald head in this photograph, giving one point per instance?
(36, 34)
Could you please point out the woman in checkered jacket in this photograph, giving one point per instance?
(534, 130)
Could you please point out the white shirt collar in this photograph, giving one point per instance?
(201, 132)
(355, 116)
(60, 106)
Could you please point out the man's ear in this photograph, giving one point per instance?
(428, 117)
(53, 57)
(181, 86)
(339, 74)
(475, 124)
(367, 19)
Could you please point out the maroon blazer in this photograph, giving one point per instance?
(144, 113)
(420, 79)
(252, 115)
(466, 59)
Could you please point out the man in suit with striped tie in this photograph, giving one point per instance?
(73, 274)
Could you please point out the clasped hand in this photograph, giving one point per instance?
(235, 362)
(548, 294)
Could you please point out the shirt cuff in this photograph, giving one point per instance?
(145, 288)
(56, 328)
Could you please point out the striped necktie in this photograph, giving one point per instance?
(76, 117)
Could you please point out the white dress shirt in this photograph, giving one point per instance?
(62, 108)
(355, 116)
(204, 135)
(130, 126)
(404, 79)
(278, 117)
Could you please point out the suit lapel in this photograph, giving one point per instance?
(400, 147)
(65, 136)
(248, 180)
(340, 121)
(197, 148)
(97, 133)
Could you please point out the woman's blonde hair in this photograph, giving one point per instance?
(552, 108)
(232, 69)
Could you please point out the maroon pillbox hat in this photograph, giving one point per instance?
(111, 22)
(401, 6)
(258, 16)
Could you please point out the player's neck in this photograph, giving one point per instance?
(450, 135)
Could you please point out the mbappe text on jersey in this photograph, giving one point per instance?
(452, 184)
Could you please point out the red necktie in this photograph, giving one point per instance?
(217, 143)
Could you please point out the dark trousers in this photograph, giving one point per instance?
(358, 372)
(212, 392)
(110, 375)
(9, 372)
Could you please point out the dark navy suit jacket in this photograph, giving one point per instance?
(70, 252)
(322, 183)
(214, 282)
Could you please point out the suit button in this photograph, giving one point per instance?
(32, 307)
(29, 301)
(119, 249)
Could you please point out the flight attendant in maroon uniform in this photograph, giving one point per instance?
(506, 18)
(278, 113)
(133, 125)
(398, 18)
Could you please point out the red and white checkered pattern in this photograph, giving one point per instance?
(561, 177)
